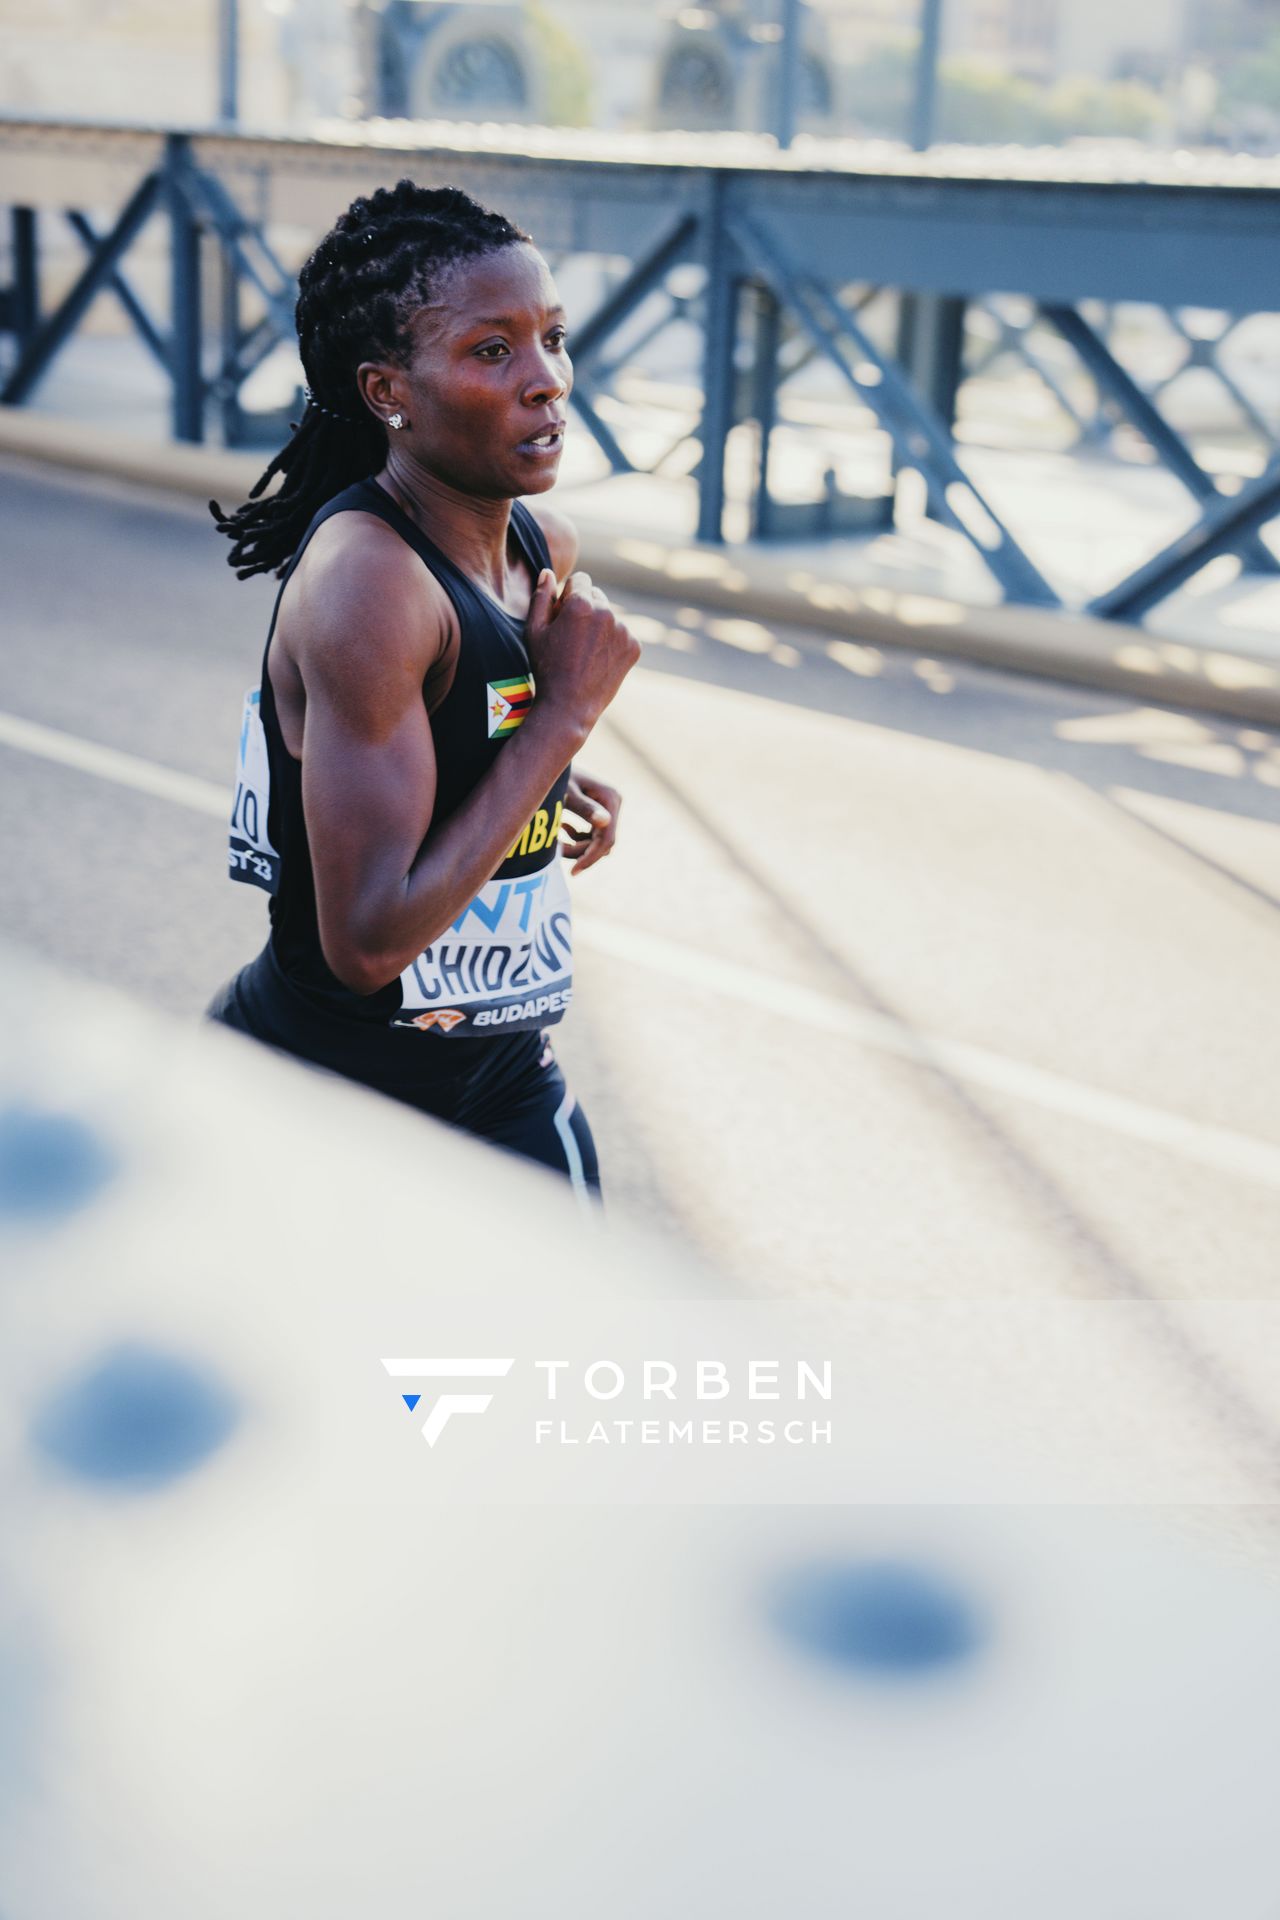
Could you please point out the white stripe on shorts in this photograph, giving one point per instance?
(572, 1151)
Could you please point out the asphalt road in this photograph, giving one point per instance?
(905, 978)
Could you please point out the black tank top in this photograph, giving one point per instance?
(505, 965)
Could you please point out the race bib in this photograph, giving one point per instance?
(251, 854)
(505, 965)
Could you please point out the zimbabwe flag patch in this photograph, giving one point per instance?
(508, 702)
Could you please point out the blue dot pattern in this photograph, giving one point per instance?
(885, 1618)
(137, 1418)
(50, 1163)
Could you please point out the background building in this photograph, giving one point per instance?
(1031, 71)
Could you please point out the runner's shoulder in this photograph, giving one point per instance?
(559, 533)
(360, 598)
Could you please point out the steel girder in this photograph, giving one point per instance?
(193, 202)
(919, 437)
(1223, 528)
(20, 300)
(144, 326)
(795, 233)
(51, 334)
(1136, 406)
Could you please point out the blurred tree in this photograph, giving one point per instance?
(1128, 108)
(564, 71)
(982, 104)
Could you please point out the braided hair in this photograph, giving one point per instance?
(356, 296)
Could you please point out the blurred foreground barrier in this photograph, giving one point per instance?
(793, 243)
(317, 1593)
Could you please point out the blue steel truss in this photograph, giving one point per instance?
(1223, 528)
(919, 437)
(1137, 406)
(143, 325)
(800, 245)
(1204, 352)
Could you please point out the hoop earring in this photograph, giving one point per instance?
(395, 420)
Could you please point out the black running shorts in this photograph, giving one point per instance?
(508, 1090)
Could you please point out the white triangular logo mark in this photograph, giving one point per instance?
(499, 708)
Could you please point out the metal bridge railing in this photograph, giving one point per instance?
(798, 239)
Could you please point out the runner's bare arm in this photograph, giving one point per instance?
(390, 878)
(592, 801)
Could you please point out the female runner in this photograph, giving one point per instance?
(405, 774)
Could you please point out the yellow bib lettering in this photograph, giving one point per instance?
(538, 833)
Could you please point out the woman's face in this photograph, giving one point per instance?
(484, 393)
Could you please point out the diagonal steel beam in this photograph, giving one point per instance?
(251, 348)
(1206, 353)
(1124, 390)
(146, 327)
(50, 338)
(600, 431)
(244, 245)
(616, 307)
(1016, 340)
(678, 306)
(246, 255)
(799, 353)
(647, 274)
(1220, 529)
(919, 438)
